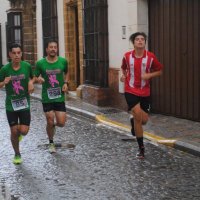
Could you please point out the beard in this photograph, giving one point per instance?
(52, 54)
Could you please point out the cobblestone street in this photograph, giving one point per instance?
(101, 166)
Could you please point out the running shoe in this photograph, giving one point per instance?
(17, 160)
(20, 137)
(140, 154)
(52, 148)
(132, 126)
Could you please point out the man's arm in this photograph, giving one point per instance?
(66, 82)
(150, 75)
(6, 81)
(123, 70)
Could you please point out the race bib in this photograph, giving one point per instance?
(54, 93)
(19, 104)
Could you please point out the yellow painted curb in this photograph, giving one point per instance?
(160, 140)
(150, 136)
(105, 120)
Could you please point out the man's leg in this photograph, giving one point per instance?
(15, 139)
(24, 120)
(50, 128)
(50, 124)
(12, 118)
(60, 118)
(15, 133)
(60, 114)
(140, 118)
(132, 125)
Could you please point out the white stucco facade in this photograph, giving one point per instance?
(3, 19)
(60, 28)
(131, 15)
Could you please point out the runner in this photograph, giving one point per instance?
(17, 76)
(138, 67)
(51, 72)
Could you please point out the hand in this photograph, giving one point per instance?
(123, 78)
(30, 87)
(146, 76)
(40, 80)
(7, 80)
(65, 88)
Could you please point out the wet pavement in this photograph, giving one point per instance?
(100, 167)
(179, 133)
(175, 132)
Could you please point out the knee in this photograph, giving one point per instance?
(137, 118)
(24, 131)
(50, 122)
(60, 124)
(145, 118)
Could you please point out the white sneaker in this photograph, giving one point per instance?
(52, 148)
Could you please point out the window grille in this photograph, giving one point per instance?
(14, 29)
(49, 21)
(95, 15)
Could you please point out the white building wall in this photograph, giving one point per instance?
(133, 15)
(61, 31)
(60, 28)
(39, 29)
(3, 19)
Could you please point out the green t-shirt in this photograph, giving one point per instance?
(53, 74)
(17, 97)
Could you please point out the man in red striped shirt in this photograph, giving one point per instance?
(138, 67)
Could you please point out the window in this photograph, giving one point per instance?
(95, 16)
(14, 28)
(49, 21)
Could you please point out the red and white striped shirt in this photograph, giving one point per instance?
(135, 68)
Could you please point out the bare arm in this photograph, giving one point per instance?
(6, 81)
(66, 81)
(123, 76)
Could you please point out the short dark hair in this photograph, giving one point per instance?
(134, 35)
(14, 45)
(50, 41)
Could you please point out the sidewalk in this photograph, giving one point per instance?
(178, 133)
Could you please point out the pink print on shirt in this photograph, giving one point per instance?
(17, 87)
(52, 80)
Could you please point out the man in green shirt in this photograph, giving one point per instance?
(52, 73)
(16, 77)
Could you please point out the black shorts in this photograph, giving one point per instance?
(19, 117)
(133, 100)
(55, 106)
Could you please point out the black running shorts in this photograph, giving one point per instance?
(55, 106)
(133, 100)
(19, 117)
